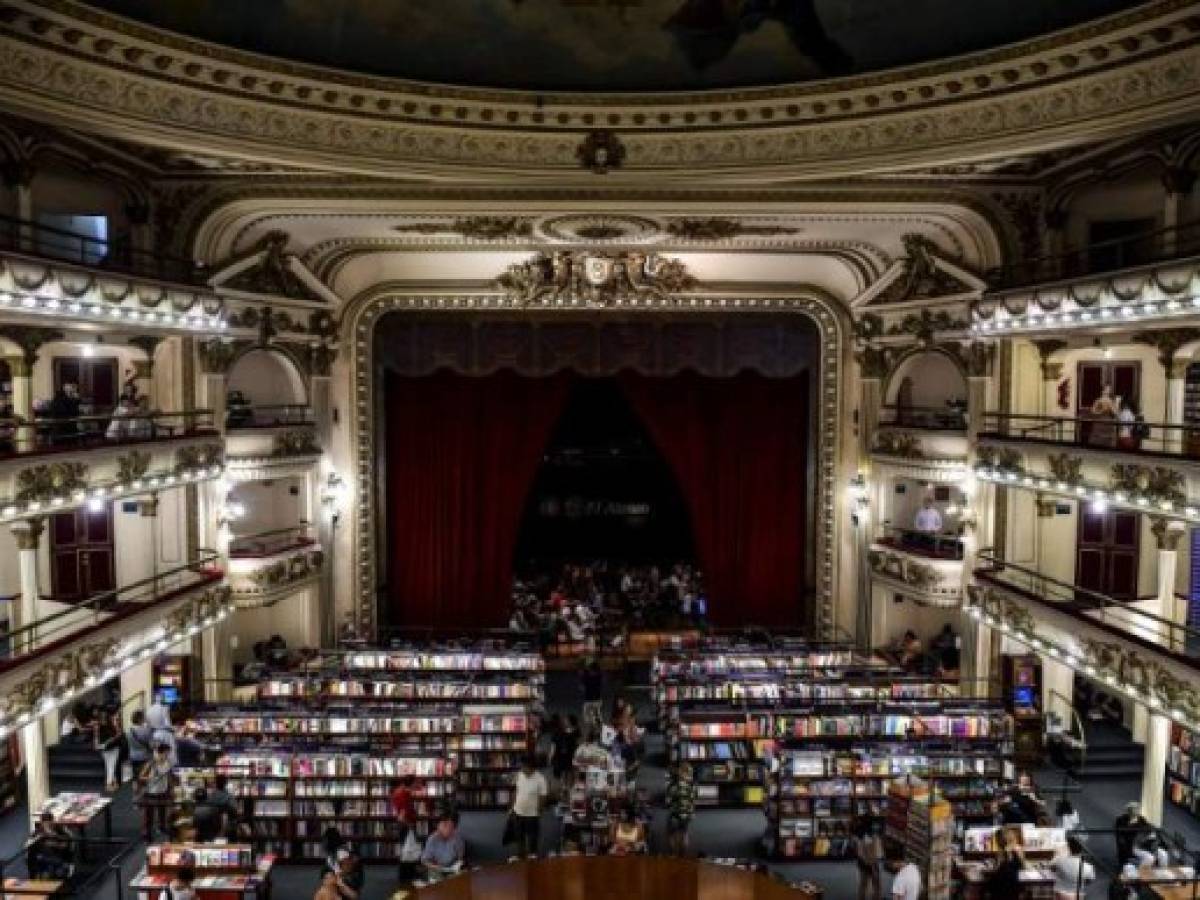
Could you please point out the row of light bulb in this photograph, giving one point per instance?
(1098, 497)
(129, 657)
(1077, 662)
(1127, 312)
(96, 498)
(98, 311)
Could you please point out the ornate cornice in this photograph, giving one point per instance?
(60, 60)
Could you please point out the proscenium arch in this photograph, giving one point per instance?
(832, 327)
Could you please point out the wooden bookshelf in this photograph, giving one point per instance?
(1183, 768)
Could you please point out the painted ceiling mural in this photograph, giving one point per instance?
(613, 45)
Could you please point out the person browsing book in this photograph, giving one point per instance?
(444, 849)
(529, 797)
(180, 887)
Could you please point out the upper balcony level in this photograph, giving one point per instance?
(1148, 278)
(70, 648)
(1151, 657)
(1095, 436)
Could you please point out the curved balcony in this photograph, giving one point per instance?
(1127, 622)
(926, 568)
(44, 435)
(270, 565)
(1100, 257)
(71, 648)
(240, 417)
(923, 418)
(1095, 434)
(924, 544)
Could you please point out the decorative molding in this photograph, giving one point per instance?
(1167, 341)
(1159, 485)
(475, 228)
(1066, 468)
(46, 483)
(297, 442)
(29, 338)
(585, 278)
(898, 444)
(217, 355)
(132, 466)
(360, 323)
(720, 229)
(1004, 458)
(254, 585)
(64, 60)
(202, 456)
(921, 581)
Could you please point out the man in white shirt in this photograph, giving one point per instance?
(907, 883)
(528, 799)
(929, 520)
(1072, 873)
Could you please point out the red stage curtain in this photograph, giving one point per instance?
(738, 447)
(461, 455)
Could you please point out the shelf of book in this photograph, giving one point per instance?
(1183, 768)
(289, 799)
(928, 838)
(486, 742)
(813, 795)
(437, 689)
(225, 870)
(408, 662)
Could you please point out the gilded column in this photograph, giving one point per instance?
(28, 534)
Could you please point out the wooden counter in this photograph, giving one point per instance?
(611, 878)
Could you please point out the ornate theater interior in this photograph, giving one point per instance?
(596, 448)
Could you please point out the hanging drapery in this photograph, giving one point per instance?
(461, 455)
(739, 449)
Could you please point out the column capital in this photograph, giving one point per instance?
(1055, 218)
(143, 369)
(1179, 179)
(1167, 533)
(17, 172)
(1052, 371)
(1167, 341)
(28, 533)
(19, 366)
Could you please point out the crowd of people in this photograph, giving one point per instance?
(596, 601)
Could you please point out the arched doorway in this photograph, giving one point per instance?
(265, 388)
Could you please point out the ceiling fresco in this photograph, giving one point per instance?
(612, 45)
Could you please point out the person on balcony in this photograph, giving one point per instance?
(929, 518)
(124, 425)
(65, 409)
(1104, 409)
(1128, 431)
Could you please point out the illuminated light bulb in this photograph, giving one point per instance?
(29, 302)
(95, 505)
(1106, 313)
(1099, 505)
(1108, 352)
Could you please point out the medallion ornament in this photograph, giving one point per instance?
(570, 278)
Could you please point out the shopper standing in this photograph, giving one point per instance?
(529, 797)
(158, 784)
(681, 806)
(107, 738)
(868, 852)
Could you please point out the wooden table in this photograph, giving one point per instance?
(26, 888)
(611, 878)
(1169, 884)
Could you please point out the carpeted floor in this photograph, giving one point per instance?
(717, 833)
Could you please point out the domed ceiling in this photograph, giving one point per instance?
(613, 45)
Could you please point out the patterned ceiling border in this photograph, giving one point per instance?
(359, 336)
(62, 61)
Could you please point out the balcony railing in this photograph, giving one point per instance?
(116, 254)
(1120, 619)
(45, 434)
(922, 543)
(271, 543)
(1100, 257)
(928, 418)
(51, 632)
(275, 415)
(1095, 432)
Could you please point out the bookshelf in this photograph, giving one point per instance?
(928, 842)
(1022, 691)
(814, 794)
(222, 871)
(594, 800)
(438, 689)
(407, 662)
(486, 742)
(289, 799)
(1183, 769)
(8, 774)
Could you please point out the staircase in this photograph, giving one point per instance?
(1111, 754)
(75, 767)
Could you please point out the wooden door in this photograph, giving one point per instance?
(81, 554)
(1106, 559)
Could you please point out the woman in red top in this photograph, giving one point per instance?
(405, 809)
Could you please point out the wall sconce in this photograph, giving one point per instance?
(334, 494)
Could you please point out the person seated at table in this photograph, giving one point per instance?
(351, 876)
(444, 849)
(1003, 878)
(1130, 829)
(628, 835)
(180, 887)
(50, 850)
(328, 888)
